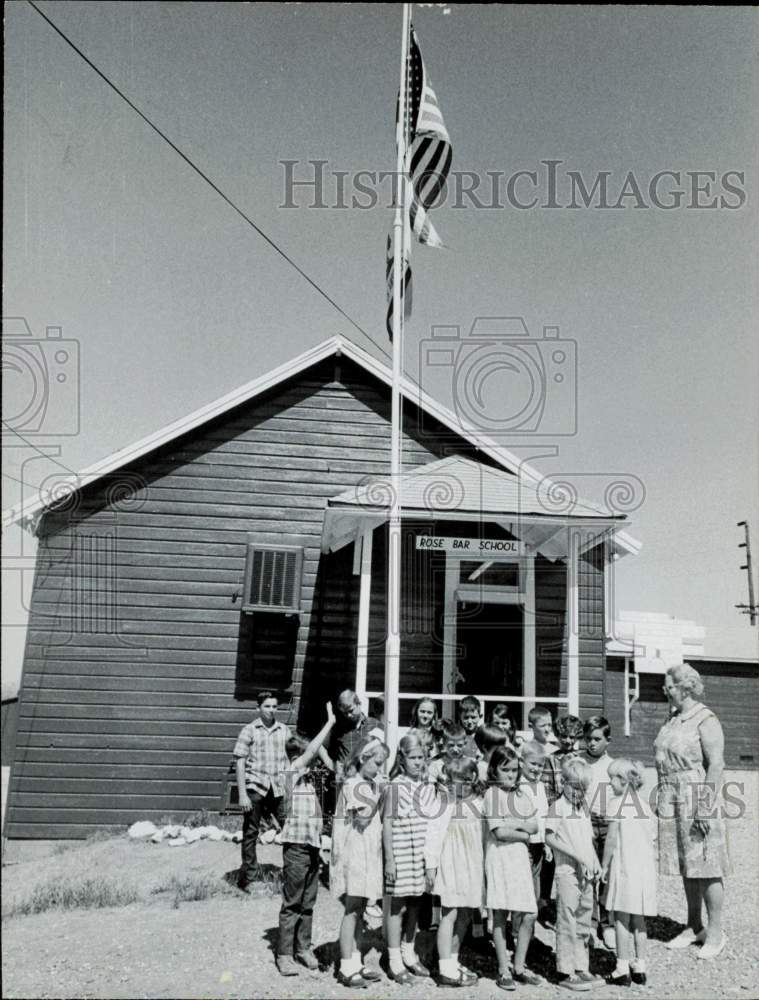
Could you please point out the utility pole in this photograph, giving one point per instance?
(751, 608)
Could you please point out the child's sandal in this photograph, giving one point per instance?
(355, 981)
(505, 983)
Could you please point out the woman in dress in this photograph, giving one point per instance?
(689, 753)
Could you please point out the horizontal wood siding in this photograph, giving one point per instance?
(592, 639)
(551, 631)
(140, 668)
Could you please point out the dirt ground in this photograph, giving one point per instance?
(223, 946)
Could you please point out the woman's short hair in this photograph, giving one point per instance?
(688, 679)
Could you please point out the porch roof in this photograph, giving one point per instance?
(539, 513)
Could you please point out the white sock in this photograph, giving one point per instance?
(350, 965)
(356, 959)
(395, 960)
(408, 952)
(449, 967)
(638, 964)
(623, 967)
(455, 958)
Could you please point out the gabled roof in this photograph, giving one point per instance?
(37, 503)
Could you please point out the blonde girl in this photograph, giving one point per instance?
(629, 869)
(454, 859)
(410, 802)
(511, 819)
(356, 862)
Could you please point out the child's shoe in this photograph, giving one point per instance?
(462, 979)
(354, 982)
(417, 969)
(286, 965)
(527, 978)
(623, 980)
(639, 978)
(370, 975)
(308, 959)
(588, 977)
(505, 982)
(574, 983)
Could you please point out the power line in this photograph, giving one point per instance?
(206, 178)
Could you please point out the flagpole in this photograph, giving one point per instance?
(393, 643)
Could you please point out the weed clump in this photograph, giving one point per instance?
(75, 892)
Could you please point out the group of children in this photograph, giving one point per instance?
(486, 824)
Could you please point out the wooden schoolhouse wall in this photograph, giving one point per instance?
(137, 674)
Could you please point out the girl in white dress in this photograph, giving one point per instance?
(454, 861)
(511, 819)
(629, 868)
(355, 874)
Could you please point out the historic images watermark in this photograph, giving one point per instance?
(548, 184)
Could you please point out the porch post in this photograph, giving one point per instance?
(364, 594)
(449, 630)
(573, 623)
(528, 636)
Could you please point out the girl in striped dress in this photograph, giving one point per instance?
(409, 801)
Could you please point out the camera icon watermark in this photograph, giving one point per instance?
(504, 381)
(41, 381)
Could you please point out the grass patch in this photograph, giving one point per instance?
(194, 887)
(75, 892)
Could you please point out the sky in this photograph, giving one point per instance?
(169, 299)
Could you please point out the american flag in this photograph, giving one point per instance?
(429, 156)
(429, 146)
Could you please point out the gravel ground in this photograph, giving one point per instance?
(222, 947)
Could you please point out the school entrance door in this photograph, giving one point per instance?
(489, 654)
(489, 627)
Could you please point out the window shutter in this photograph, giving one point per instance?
(273, 578)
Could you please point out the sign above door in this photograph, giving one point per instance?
(470, 546)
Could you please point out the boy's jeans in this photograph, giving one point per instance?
(600, 831)
(574, 907)
(263, 805)
(300, 883)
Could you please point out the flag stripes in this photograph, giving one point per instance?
(428, 157)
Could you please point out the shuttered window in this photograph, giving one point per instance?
(273, 578)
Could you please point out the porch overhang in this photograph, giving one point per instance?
(457, 489)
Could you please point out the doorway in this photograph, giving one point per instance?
(489, 654)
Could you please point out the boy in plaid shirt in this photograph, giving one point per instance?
(260, 765)
(301, 840)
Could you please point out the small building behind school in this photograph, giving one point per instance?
(640, 649)
(244, 548)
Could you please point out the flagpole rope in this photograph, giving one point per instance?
(207, 179)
